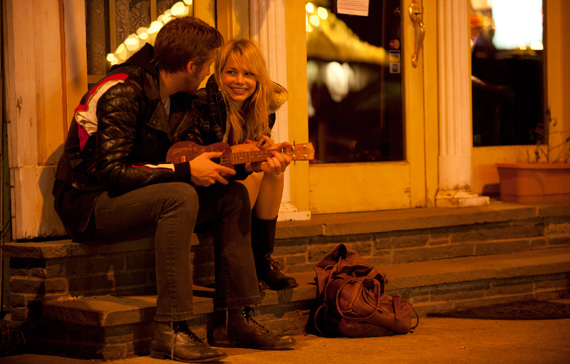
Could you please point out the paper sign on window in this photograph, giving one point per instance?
(353, 7)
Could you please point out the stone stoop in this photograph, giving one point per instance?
(50, 270)
(424, 234)
(97, 301)
(108, 327)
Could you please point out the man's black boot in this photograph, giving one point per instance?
(262, 244)
(238, 329)
(175, 341)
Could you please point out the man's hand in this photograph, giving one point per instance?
(205, 172)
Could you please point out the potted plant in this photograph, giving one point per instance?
(544, 177)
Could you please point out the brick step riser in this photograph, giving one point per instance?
(399, 247)
(110, 343)
(132, 273)
(42, 272)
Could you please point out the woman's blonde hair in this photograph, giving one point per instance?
(251, 121)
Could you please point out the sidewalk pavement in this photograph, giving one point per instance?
(436, 340)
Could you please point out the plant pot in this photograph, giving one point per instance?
(534, 182)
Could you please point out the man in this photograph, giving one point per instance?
(112, 183)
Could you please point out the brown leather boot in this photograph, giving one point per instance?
(239, 329)
(175, 341)
(262, 244)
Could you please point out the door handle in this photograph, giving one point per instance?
(419, 29)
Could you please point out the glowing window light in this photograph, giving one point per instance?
(517, 22)
(314, 20)
(132, 42)
(310, 8)
(167, 16)
(536, 46)
(154, 27)
(121, 52)
(179, 9)
(142, 33)
(322, 13)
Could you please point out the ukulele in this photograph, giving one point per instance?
(186, 151)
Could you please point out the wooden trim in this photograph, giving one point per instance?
(112, 26)
(63, 52)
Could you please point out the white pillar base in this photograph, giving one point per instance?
(460, 198)
(288, 212)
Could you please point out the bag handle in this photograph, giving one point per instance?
(376, 294)
(372, 273)
(396, 304)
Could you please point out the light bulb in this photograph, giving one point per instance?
(179, 9)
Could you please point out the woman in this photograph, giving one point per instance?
(238, 107)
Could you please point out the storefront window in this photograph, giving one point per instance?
(507, 71)
(109, 23)
(355, 81)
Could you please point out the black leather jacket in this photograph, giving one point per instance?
(118, 140)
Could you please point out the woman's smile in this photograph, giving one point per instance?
(238, 83)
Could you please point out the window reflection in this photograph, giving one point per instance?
(507, 71)
(354, 82)
(130, 17)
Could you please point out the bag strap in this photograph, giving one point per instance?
(417, 320)
(377, 294)
(396, 304)
(323, 297)
(315, 318)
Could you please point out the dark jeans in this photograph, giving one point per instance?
(172, 210)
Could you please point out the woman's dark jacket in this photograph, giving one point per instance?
(209, 115)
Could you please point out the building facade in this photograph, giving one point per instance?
(45, 74)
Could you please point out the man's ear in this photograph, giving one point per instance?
(191, 66)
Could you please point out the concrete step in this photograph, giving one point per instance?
(96, 301)
(110, 327)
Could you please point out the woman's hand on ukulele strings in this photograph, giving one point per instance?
(263, 143)
(279, 162)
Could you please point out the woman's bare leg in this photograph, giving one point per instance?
(269, 197)
(265, 191)
(253, 185)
